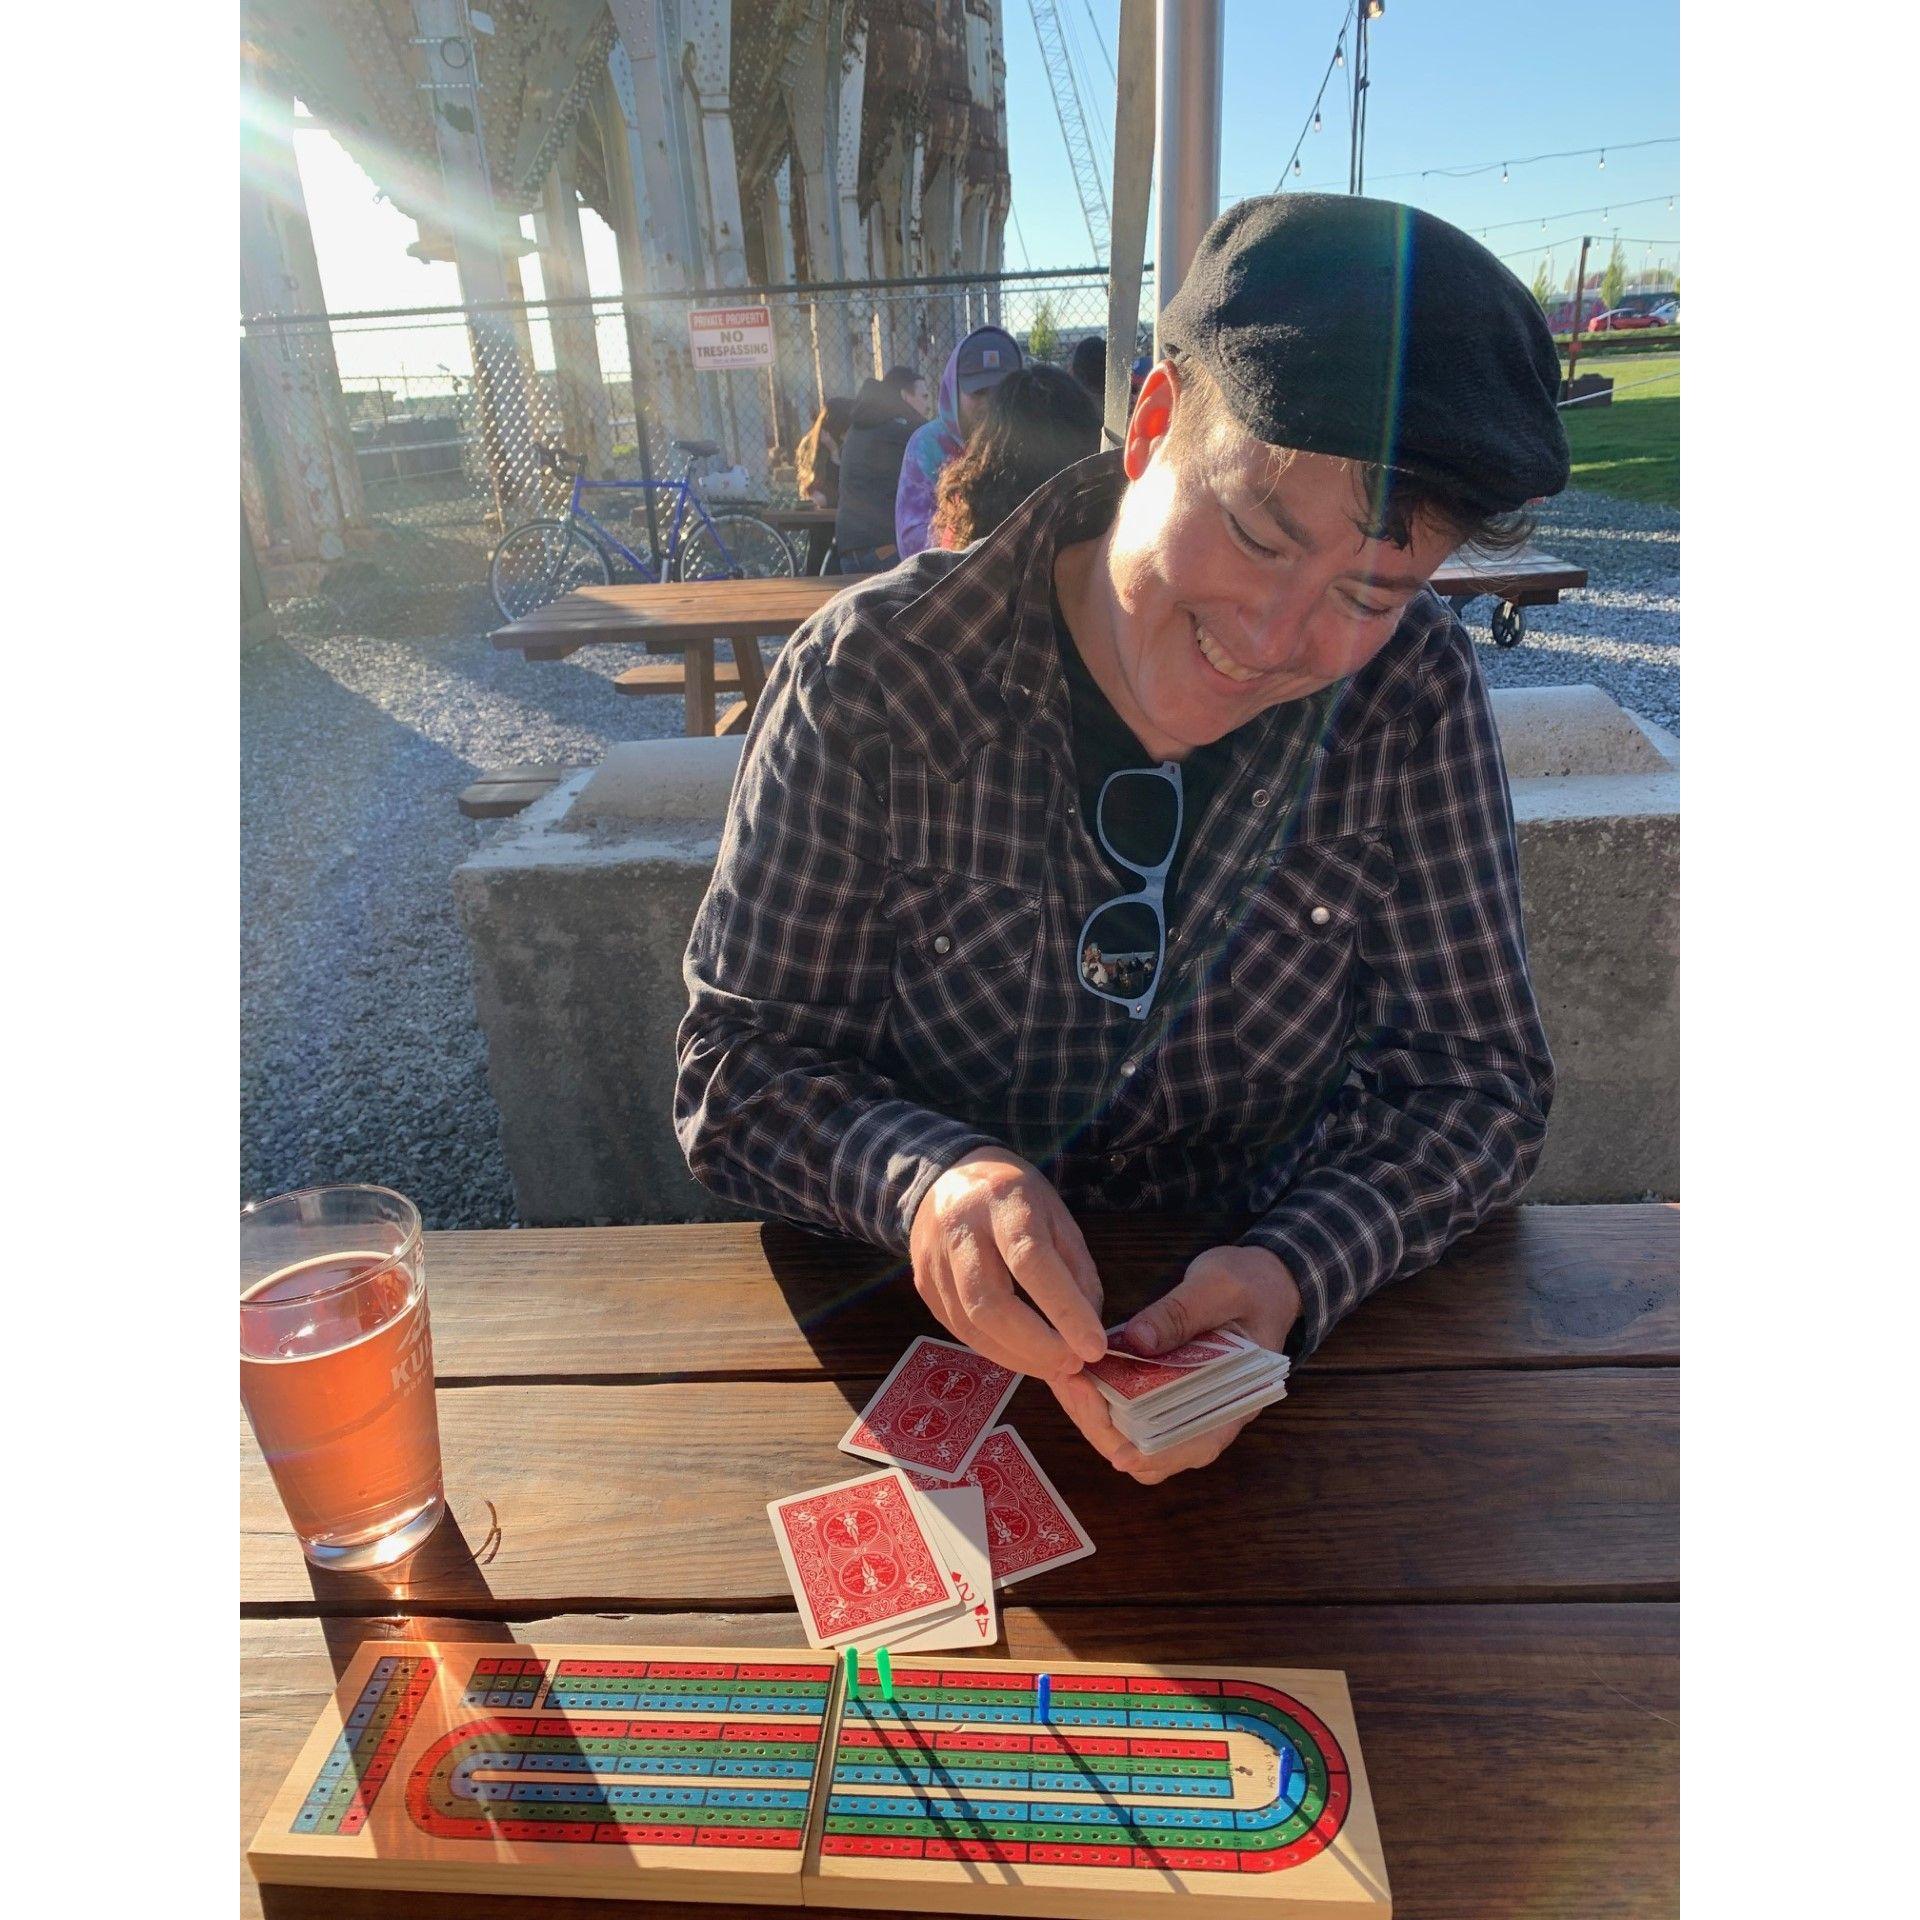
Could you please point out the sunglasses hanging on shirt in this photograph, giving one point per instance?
(1123, 944)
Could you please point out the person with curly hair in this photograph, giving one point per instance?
(1039, 420)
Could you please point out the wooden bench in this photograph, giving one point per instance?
(505, 791)
(670, 676)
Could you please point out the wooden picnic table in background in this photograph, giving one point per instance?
(1468, 1504)
(817, 523)
(688, 618)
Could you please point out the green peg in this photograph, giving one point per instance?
(852, 1661)
(884, 1661)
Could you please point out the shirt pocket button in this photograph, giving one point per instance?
(942, 943)
(1319, 916)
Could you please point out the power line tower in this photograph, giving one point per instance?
(1073, 124)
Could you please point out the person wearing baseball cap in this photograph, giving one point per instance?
(974, 368)
(1155, 851)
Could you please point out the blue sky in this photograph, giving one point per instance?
(1454, 84)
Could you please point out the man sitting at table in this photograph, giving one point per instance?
(1192, 704)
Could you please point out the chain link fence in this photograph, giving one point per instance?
(384, 455)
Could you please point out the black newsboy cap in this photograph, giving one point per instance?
(1372, 331)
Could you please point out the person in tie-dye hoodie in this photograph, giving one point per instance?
(976, 366)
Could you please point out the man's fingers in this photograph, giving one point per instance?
(1071, 1244)
(1038, 1350)
(1201, 1302)
(1050, 1284)
(999, 1323)
(1201, 1451)
(1088, 1411)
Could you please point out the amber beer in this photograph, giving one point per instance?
(336, 1370)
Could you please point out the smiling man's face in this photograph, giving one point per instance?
(1236, 588)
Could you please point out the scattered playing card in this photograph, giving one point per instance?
(860, 1558)
(932, 1411)
(959, 1516)
(1029, 1527)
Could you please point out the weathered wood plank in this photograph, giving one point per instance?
(1505, 1486)
(1539, 1286)
(1524, 1760)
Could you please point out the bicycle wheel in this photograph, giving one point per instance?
(537, 563)
(748, 549)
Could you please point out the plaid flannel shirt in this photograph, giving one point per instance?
(883, 972)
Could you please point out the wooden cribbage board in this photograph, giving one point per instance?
(718, 1774)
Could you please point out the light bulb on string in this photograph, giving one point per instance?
(1296, 169)
(1603, 159)
(1340, 52)
(1316, 119)
(1503, 173)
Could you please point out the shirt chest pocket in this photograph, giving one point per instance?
(1293, 963)
(962, 969)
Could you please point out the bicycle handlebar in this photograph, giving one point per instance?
(550, 457)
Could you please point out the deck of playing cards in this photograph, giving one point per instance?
(1161, 1399)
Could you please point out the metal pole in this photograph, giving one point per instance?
(1579, 301)
(1187, 141)
(1132, 178)
(1357, 156)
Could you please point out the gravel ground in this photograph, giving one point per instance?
(1622, 632)
(361, 1059)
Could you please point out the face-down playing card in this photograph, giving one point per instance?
(861, 1558)
(1030, 1529)
(932, 1410)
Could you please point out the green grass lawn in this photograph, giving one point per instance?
(1631, 448)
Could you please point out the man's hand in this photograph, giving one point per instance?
(993, 1223)
(1243, 1287)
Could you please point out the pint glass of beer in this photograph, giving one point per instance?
(336, 1370)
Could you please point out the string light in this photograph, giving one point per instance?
(1316, 119)
(1296, 169)
(1603, 159)
(1503, 173)
(1340, 52)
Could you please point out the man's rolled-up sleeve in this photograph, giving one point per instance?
(777, 1104)
(1445, 1107)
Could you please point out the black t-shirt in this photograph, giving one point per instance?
(1103, 743)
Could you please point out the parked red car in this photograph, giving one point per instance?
(1620, 320)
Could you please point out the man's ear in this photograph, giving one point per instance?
(1152, 417)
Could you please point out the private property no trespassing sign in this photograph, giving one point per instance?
(730, 336)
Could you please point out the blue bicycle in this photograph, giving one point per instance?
(538, 562)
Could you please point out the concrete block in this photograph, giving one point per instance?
(1568, 730)
(577, 917)
(576, 934)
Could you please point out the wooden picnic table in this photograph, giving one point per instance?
(1468, 1504)
(817, 523)
(688, 618)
